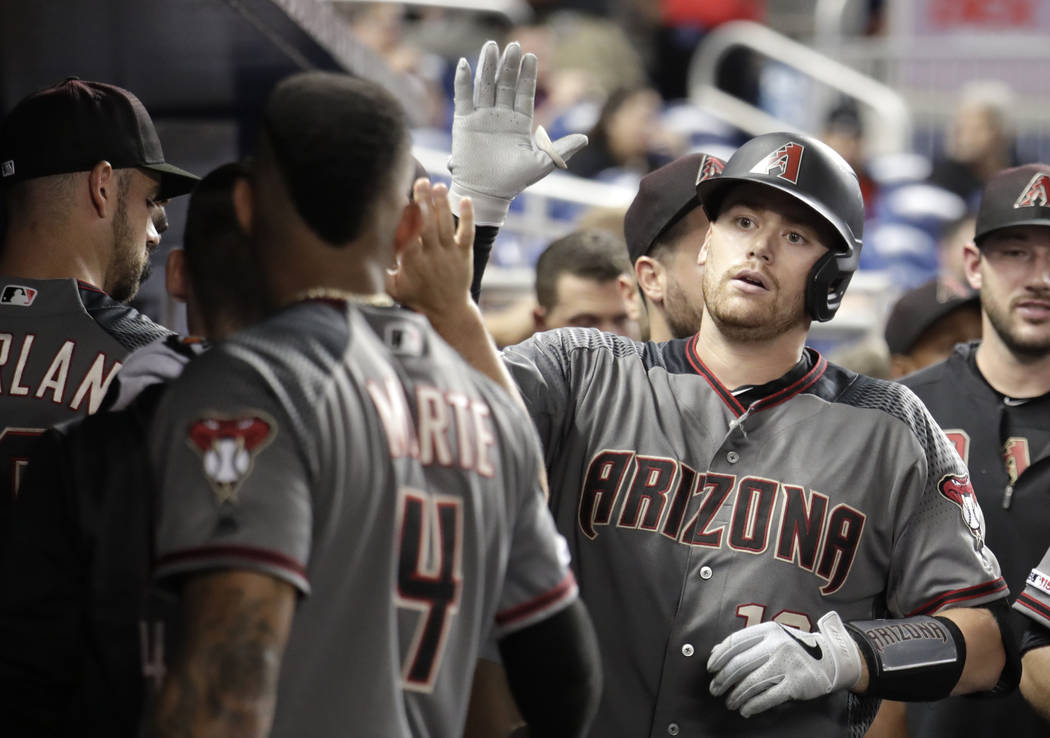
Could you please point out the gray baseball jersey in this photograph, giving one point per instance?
(692, 511)
(61, 344)
(350, 452)
(1034, 601)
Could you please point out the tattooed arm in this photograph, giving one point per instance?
(225, 680)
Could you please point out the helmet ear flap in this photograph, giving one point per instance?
(825, 287)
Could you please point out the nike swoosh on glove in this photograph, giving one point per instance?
(494, 155)
(768, 664)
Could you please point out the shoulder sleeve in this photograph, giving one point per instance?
(538, 581)
(1034, 601)
(233, 473)
(939, 558)
(540, 366)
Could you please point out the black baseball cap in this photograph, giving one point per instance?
(76, 124)
(919, 309)
(1014, 197)
(665, 196)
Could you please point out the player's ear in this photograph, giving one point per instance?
(243, 203)
(408, 228)
(701, 258)
(175, 280)
(102, 188)
(972, 264)
(650, 275)
(539, 319)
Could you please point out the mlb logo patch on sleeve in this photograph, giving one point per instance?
(1039, 580)
(228, 446)
(16, 294)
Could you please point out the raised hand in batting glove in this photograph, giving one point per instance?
(762, 666)
(494, 156)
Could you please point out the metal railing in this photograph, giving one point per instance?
(515, 11)
(892, 129)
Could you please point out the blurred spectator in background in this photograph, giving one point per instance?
(664, 228)
(926, 323)
(584, 279)
(951, 269)
(628, 136)
(585, 59)
(980, 140)
(381, 27)
(844, 132)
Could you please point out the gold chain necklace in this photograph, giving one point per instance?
(376, 299)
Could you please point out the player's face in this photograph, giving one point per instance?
(588, 303)
(756, 260)
(135, 232)
(1013, 273)
(683, 303)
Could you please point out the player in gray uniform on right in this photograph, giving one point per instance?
(750, 524)
(1034, 602)
(341, 456)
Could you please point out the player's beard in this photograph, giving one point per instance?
(750, 320)
(1006, 327)
(131, 263)
(681, 311)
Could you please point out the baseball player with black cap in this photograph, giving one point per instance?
(664, 227)
(751, 525)
(992, 398)
(83, 178)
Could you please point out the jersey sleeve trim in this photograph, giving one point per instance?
(527, 612)
(233, 556)
(986, 591)
(1033, 608)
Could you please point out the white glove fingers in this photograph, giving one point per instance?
(525, 94)
(485, 76)
(768, 697)
(463, 90)
(568, 146)
(543, 143)
(736, 670)
(754, 690)
(733, 644)
(507, 78)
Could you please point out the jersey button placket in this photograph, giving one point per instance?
(732, 457)
(672, 729)
(706, 572)
(687, 649)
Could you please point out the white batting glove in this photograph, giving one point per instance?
(494, 156)
(768, 664)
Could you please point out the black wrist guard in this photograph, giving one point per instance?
(911, 659)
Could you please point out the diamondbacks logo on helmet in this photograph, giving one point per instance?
(785, 162)
(228, 446)
(710, 166)
(959, 490)
(1034, 194)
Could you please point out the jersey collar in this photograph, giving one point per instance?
(799, 378)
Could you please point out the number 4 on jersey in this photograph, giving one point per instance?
(429, 578)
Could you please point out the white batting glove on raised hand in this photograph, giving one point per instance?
(762, 666)
(494, 156)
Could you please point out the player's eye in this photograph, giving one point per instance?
(795, 237)
(744, 221)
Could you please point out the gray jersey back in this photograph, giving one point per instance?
(690, 516)
(61, 344)
(350, 452)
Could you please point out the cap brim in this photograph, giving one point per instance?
(978, 237)
(173, 181)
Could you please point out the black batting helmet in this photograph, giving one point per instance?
(813, 173)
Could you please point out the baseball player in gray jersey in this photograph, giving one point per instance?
(750, 525)
(82, 176)
(341, 457)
